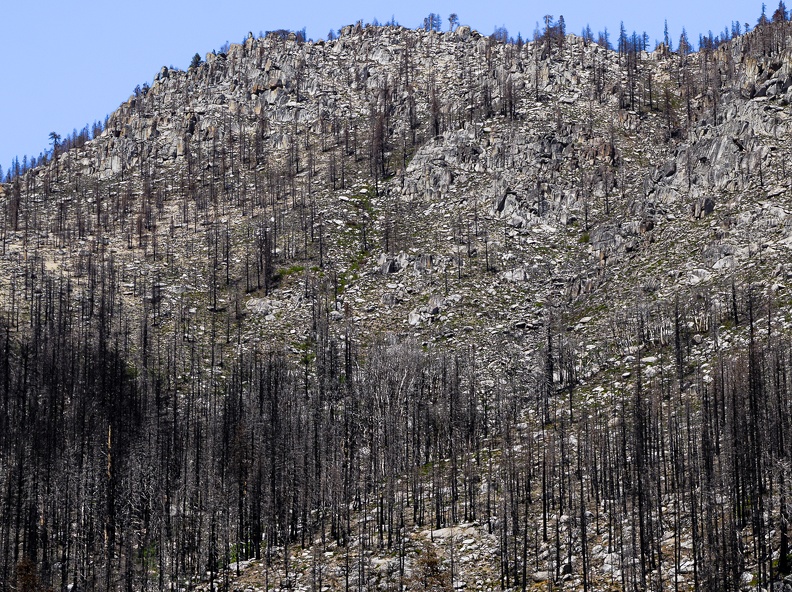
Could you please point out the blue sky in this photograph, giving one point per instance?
(70, 62)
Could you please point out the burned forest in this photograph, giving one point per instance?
(408, 310)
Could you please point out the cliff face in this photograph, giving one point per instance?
(575, 225)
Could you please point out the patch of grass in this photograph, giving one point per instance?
(287, 271)
(351, 274)
(363, 201)
(777, 562)
(305, 351)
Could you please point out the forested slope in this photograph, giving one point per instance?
(408, 308)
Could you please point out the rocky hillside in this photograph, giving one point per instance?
(409, 308)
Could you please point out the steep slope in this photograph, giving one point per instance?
(402, 283)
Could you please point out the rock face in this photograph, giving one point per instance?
(572, 224)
